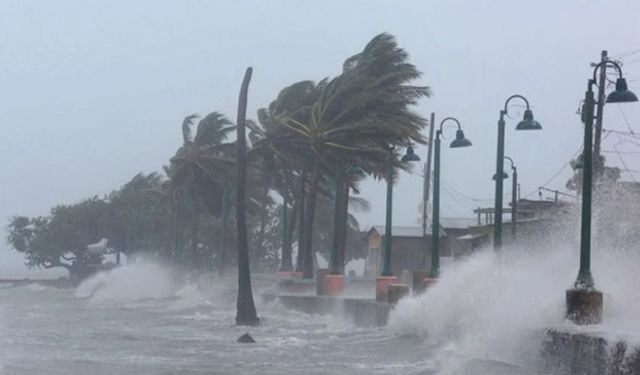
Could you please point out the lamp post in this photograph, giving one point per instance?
(527, 123)
(514, 198)
(460, 141)
(386, 276)
(584, 302)
(514, 195)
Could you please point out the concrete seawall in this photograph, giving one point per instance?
(569, 353)
(362, 312)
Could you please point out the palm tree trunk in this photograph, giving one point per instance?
(246, 309)
(287, 261)
(261, 234)
(301, 203)
(307, 270)
(177, 235)
(194, 236)
(344, 215)
(223, 231)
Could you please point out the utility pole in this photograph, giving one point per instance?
(427, 175)
(602, 81)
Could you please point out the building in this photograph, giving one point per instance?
(410, 246)
(533, 217)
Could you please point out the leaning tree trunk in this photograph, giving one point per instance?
(246, 313)
(301, 203)
(261, 234)
(194, 237)
(222, 247)
(344, 215)
(307, 269)
(287, 248)
(177, 234)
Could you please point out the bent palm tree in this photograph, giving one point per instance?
(360, 113)
(200, 169)
(246, 309)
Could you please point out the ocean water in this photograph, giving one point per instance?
(486, 315)
(499, 307)
(143, 319)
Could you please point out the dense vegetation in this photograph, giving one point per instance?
(314, 139)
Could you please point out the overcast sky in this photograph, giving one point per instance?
(92, 92)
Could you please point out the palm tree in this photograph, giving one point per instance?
(246, 309)
(199, 171)
(274, 149)
(360, 113)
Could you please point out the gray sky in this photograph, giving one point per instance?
(92, 92)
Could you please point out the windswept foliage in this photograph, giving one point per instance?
(346, 126)
(60, 239)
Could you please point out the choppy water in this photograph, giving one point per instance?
(484, 315)
(139, 320)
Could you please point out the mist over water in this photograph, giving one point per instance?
(143, 318)
(133, 282)
(487, 315)
(498, 307)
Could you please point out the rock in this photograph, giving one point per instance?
(246, 339)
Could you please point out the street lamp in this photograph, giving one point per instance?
(584, 302)
(409, 156)
(527, 123)
(460, 141)
(386, 276)
(514, 195)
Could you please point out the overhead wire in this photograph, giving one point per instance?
(467, 196)
(625, 54)
(557, 173)
(632, 153)
(626, 120)
(624, 164)
(456, 200)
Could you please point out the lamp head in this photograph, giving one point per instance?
(410, 155)
(504, 176)
(528, 123)
(577, 163)
(460, 140)
(622, 93)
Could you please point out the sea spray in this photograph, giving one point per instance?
(132, 282)
(498, 307)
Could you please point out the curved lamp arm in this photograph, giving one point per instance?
(510, 162)
(517, 96)
(606, 62)
(445, 120)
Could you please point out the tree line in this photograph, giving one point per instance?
(282, 171)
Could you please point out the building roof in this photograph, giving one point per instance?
(472, 236)
(457, 222)
(405, 231)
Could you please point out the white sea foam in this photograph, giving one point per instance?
(132, 282)
(498, 307)
(36, 287)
